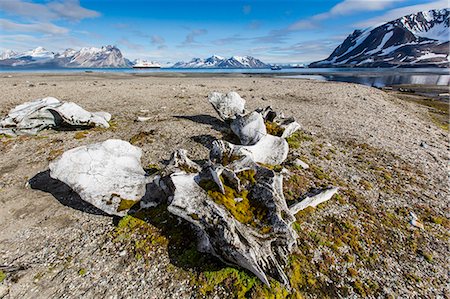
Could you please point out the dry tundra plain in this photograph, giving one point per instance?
(386, 154)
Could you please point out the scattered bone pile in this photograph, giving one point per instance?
(31, 117)
(234, 201)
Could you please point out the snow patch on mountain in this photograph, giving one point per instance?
(88, 57)
(221, 62)
(416, 40)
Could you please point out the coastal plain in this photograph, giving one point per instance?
(387, 154)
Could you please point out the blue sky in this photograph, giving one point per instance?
(170, 31)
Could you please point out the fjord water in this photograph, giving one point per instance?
(378, 77)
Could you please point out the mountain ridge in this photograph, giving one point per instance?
(87, 57)
(216, 61)
(415, 40)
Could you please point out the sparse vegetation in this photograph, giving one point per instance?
(81, 134)
(274, 129)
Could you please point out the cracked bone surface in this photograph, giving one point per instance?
(250, 128)
(108, 175)
(32, 117)
(270, 149)
(227, 105)
(253, 232)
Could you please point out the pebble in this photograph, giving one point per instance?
(424, 145)
(143, 118)
(300, 163)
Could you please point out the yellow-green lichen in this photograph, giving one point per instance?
(2, 276)
(81, 134)
(152, 169)
(138, 236)
(297, 138)
(273, 128)
(125, 204)
(243, 208)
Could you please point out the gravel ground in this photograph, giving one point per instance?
(60, 250)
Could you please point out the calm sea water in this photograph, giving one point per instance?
(378, 77)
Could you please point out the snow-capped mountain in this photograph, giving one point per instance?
(221, 62)
(38, 53)
(7, 54)
(416, 40)
(104, 57)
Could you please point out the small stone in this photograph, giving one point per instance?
(300, 163)
(143, 118)
(424, 145)
(415, 221)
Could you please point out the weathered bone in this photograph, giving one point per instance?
(32, 117)
(314, 200)
(235, 242)
(270, 149)
(227, 105)
(179, 161)
(108, 175)
(250, 128)
(289, 125)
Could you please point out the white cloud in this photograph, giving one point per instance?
(40, 27)
(344, 8)
(402, 11)
(302, 25)
(60, 9)
(158, 41)
(71, 10)
(190, 38)
(23, 42)
(130, 45)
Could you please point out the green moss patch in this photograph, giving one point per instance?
(296, 139)
(142, 138)
(139, 237)
(273, 128)
(239, 283)
(240, 204)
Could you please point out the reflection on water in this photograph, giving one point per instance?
(378, 77)
(381, 80)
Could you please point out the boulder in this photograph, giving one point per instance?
(108, 175)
